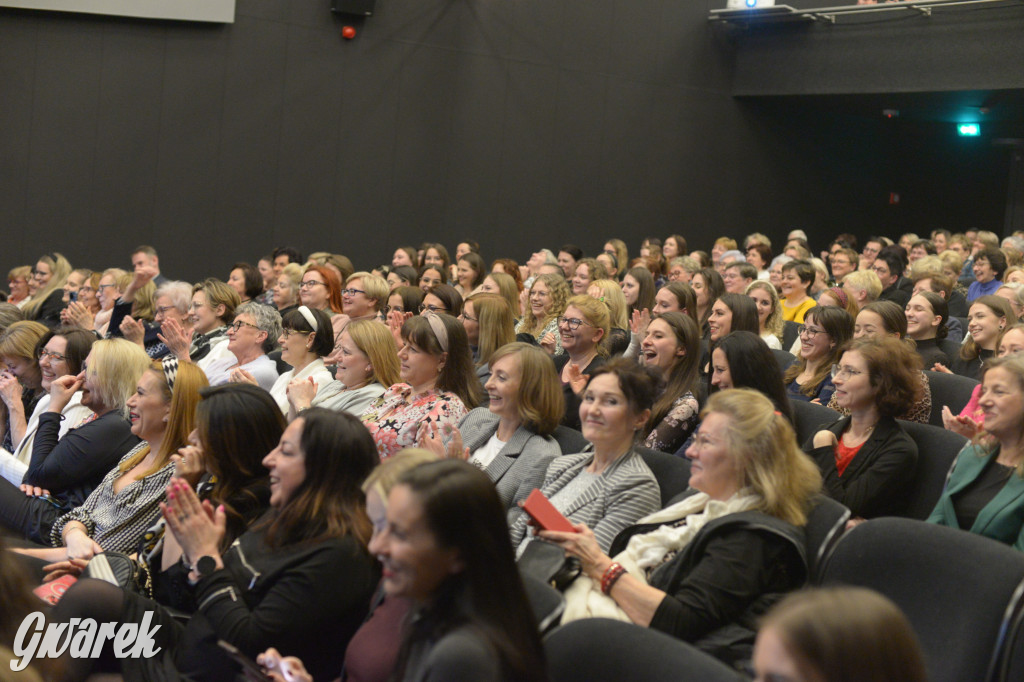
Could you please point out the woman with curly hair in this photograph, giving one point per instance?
(548, 297)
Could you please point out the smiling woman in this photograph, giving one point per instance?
(985, 492)
(713, 563)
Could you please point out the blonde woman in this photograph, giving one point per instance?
(366, 367)
(489, 325)
(506, 287)
(610, 293)
(547, 299)
(50, 275)
(769, 312)
(688, 570)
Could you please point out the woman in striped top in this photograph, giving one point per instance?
(126, 503)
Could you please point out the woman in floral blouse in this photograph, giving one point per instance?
(439, 385)
(672, 347)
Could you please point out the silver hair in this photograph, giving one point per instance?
(180, 294)
(264, 317)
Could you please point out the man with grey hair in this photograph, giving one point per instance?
(253, 334)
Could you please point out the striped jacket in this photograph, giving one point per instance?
(625, 492)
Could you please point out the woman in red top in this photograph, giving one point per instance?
(866, 459)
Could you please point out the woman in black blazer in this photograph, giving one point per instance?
(866, 459)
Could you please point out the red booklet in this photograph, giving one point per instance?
(544, 513)
(51, 592)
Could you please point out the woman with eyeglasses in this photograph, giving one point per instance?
(867, 460)
(442, 299)
(306, 339)
(50, 274)
(64, 469)
(17, 282)
(212, 310)
(251, 336)
(822, 335)
(61, 353)
(438, 385)
(403, 299)
(547, 299)
(582, 328)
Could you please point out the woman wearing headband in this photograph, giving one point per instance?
(306, 339)
(439, 385)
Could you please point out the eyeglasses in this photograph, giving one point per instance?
(809, 332)
(848, 372)
(572, 322)
(53, 356)
(464, 316)
(351, 292)
(85, 289)
(238, 324)
(432, 308)
(310, 283)
(104, 286)
(160, 309)
(289, 333)
(539, 294)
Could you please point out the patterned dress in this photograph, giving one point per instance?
(397, 419)
(677, 426)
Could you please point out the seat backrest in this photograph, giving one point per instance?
(789, 333)
(956, 588)
(826, 523)
(546, 602)
(784, 358)
(570, 441)
(810, 418)
(948, 389)
(672, 472)
(936, 450)
(596, 649)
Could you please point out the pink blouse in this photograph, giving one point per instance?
(396, 422)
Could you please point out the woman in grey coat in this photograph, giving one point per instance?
(510, 439)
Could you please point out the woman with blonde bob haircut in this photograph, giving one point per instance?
(367, 366)
(839, 634)
(510, 437)
(714, 562)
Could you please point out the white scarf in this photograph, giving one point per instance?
(584, 599)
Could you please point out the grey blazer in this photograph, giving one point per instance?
(625, 492)
(520, 466)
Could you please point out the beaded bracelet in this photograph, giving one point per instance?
(611, 576)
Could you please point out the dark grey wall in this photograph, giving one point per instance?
(521, 123)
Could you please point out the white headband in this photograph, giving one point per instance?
(308, 315)
(437, 326)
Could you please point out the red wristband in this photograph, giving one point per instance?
(611, 576)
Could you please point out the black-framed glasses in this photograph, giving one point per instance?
(432, 308)
(572, 322)
(53, 356)
(238, 324)
(351, 292)
(104, 286)
(289, 333)
(309, 283)
(810, 332)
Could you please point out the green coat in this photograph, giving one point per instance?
(1001, 519)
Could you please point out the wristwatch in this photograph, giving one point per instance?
(204, 566)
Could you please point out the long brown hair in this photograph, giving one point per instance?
(338, 455)
(683, 375)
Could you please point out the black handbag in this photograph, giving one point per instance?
(117, 568)
(547, 562)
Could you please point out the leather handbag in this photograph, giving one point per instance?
(547, 562)
(117, 568)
